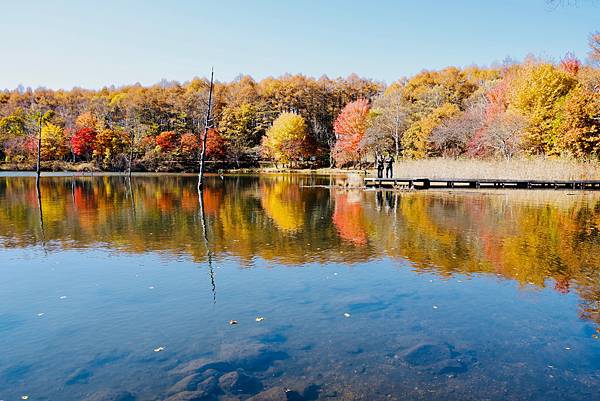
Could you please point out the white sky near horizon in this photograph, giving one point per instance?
(62, 44)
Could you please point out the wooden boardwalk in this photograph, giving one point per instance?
(426, 183)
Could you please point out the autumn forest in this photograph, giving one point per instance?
(517, 109)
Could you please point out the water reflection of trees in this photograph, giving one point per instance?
(539, 238)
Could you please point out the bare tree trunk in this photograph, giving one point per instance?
(207, 125)
(39, 151)
(131, 139)
(331, 143)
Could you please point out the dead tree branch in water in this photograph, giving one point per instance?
(207, 126)
(206, 244)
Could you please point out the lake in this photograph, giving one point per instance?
(289, 287)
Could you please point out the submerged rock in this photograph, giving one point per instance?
(427, 354)
(438, 358)
(206, 390)
(272, 394)
(209, 386)
(251, 356)
(191, 396)
(277, 394)
(311, 392)
(191, 382)
(238, 382)
(188, 383)
(292, 395)
(202, 365)
(79, 376)
(110, 395)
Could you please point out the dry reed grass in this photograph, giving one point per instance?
(533, 169)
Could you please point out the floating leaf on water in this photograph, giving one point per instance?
(233, 322)
(346, 314)
(159, 349)
(260, 319)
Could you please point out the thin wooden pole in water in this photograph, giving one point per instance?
(207, 125)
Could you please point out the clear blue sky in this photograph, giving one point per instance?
(61, 44)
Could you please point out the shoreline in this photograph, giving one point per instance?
(532, 169)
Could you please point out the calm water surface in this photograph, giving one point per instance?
(112, 291)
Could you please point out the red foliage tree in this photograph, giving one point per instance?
(570, 64)
(167, 141)
(82, 141)
(216, 145)
(350, 127)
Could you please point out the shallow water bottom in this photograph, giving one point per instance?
(131, 325)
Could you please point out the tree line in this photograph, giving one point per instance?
(533, 107)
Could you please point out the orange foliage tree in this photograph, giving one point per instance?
(188, 145)
(167, 141)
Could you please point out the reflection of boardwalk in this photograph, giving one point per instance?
(425, 183)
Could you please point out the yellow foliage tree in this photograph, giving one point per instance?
(54, 143)
(538, 94)
(286, 140)
(579, 123)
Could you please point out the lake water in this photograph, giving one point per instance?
(126, 292)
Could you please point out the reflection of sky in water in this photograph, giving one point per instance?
(437, 288)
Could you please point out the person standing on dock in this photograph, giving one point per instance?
(379, 164)
(389, 166)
